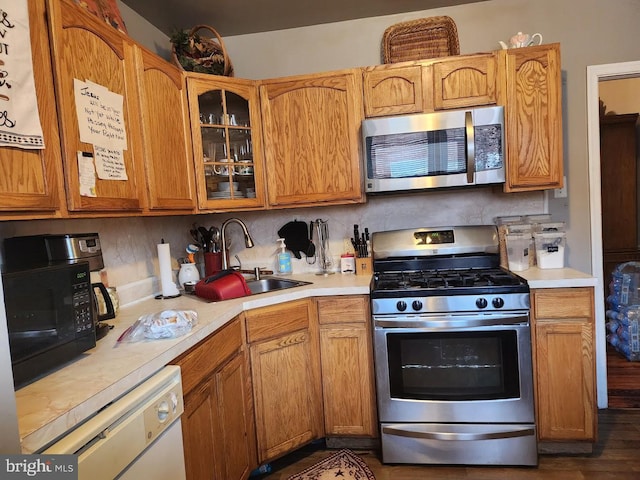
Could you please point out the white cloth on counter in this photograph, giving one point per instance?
(19, 117)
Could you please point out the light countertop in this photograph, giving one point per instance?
(557, 278)
(56, 403)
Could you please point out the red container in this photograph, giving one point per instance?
(212, 263)
(223, 286)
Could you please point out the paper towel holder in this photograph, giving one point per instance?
(167, 284)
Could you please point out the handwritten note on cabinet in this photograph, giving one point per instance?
(101, 123)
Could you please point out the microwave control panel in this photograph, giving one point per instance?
(82, 304)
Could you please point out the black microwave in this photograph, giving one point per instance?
(50, 317)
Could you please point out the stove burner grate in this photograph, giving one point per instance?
(444, 279)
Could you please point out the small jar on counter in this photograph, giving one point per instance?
(347, 263)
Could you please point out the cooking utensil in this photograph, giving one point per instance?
(215, 238)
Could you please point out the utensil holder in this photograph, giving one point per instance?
(212, 263)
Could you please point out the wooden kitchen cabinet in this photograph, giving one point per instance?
(166, 132)
(312, 138)
(346, 353)
(395, 89)
(429, 85)
(466, 81)
(218, 424)
(285, 370)
(88, 49)
(564, 365)
(530, 88)
(226, 129)
(31, 180)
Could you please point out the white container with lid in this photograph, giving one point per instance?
(550, 249)
(518, 245)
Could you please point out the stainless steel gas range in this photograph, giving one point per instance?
(452, 347)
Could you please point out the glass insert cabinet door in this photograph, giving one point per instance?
(226, 140)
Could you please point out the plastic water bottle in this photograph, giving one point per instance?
(261, 470)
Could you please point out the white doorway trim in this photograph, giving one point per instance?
(595, 74)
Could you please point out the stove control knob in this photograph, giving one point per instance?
(417, 305)
(481, 303)
(401, 305)
(497, 302)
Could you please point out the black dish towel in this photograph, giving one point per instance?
(296, 238)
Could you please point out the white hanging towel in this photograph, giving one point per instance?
(19, 118)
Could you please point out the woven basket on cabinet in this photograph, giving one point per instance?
(195, 53)
(418, 39)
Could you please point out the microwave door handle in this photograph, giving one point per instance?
(470, 146)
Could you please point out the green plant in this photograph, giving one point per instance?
(198, 54)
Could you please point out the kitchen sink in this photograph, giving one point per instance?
(270, 284)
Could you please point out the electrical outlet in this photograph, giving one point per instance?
(346, 246)
(561, 192)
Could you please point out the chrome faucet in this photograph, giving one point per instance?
(248, 241)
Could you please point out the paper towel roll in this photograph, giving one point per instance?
(169, 288)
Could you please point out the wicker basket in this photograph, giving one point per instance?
(423, 38)
(195, 53)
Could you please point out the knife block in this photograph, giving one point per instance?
(364, 266)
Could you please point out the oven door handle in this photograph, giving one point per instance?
(415, 432)
(449, 322)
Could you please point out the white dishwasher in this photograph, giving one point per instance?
(137, 436)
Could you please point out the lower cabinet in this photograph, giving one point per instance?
(218, 424)
(285, 366)
(348, 385)
(564, 364)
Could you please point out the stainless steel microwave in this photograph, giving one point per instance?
(450, 148)
(50, 317)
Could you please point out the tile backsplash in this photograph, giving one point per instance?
(130, 244)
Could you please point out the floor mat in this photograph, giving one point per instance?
(342, 465)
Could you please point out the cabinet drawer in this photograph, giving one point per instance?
(347, 309)
(209, 354)
(272, 321)
(563, 303)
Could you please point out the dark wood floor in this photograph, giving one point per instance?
(615, 456)
(623, 381)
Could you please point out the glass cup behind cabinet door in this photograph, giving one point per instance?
(240, 143)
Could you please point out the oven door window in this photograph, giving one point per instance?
(453, 366)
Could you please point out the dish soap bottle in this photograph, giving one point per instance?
(284, 259)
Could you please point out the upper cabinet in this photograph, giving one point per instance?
(30, 180)
(425, 86)
(312, 138)
(464, 81)
(166, 132)
(393, 90)
(530, 88)
(154, 172)
(89, 50)
(227, 142)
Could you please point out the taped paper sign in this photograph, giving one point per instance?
(101, 123)
(86, 174)
(109, 163)
(100, 116)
